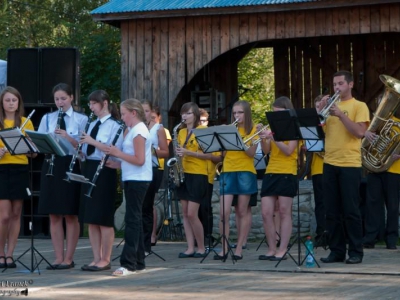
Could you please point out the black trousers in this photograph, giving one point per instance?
(132, 257)
(319, 203)
(382, 189)
(205, 212)
(341, 196)
(147, 209)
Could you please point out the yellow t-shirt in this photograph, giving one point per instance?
(15, 159)
(239, 161)
(343, 149)
(192, 164)
(161, 161)
(317, 164)
(280, 163)
(211, 168)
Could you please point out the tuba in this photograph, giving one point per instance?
(378, 155)
(175, 163)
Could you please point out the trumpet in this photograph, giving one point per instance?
(324, 113)
(255, 142)
(235, 123)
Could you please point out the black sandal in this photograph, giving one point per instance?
(11, 265)
(4, 264)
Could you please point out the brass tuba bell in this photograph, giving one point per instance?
(377, 156)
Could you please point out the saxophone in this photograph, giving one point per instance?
(175, 163)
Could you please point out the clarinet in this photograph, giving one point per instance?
(79, 147)
(103, 162)
(51, 161)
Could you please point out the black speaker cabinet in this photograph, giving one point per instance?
(35, 71)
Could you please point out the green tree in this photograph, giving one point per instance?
(256, 75)
(60, 23)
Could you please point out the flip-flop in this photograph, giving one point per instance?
(121, 271)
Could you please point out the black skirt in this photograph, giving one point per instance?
(99, 209)
(57, 196)
(14, 181)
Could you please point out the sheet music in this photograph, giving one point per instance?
(14, 140)
(315, 145)
(309, 133)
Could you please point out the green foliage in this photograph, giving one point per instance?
(256, 73)
(60, 23)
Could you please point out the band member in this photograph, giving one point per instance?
(205, 209)
(58, 198)
(279, 185)
(239, 178)
(14, 177)
(156, 117)
(158, 139)
(136, 166)
(383, 189)
(98, 210)
(344, 129)
(194, 189)
(317, 164)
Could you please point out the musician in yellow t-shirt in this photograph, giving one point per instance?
(383, 189)
(194, 188)
(14, 177)
(239, 178)
(345, 126)
(279, 184)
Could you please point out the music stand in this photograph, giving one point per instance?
(18, 144)
(290, 125)
(219, 139)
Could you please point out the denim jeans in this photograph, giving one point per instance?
(132, 257)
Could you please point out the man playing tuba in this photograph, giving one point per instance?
(383, 184)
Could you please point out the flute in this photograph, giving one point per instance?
(51, 165)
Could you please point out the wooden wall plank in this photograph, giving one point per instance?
(335, 24)
(271, 29)
(300, 24)
(394, 18)
(316, 66)
(262, 26)
(234, 32)
(289, 24)
(375, 20)
(180, 56)
(225, 22)
(216, 36)
(365, 19)
(156, 51)
(354, 20)
(140, 52)
(243, 29)
(148, 61)
(344, 54)
(125, 59)
(190, 54)
(281, 68)
(384, 18)
(310, 21)
(330, 27)
(132, 77)
(280, 26)
(198, 43)
(164, 76)
(172, 56)
(308, 99)
(320, 23)
(253, 32)
(299, 95)
(343, 22)
(208, 39)
(359, 69)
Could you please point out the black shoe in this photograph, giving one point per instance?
(368, 246)
(331, 259)
(277, 258)
(52, 267)
(12, 264)
(65, 266)
(220, 257)
(354, 260)
(391, 247)
(200, 255)
(237, 257)
(265, 257)
(96, 268)
(184, 255)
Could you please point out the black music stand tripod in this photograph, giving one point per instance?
(219, 139)
(288, 125)
(18, 144)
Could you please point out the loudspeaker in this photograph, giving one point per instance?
(35, 71)
(23, 73)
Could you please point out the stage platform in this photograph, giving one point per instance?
(378, 277)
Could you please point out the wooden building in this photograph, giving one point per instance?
(175, 51)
